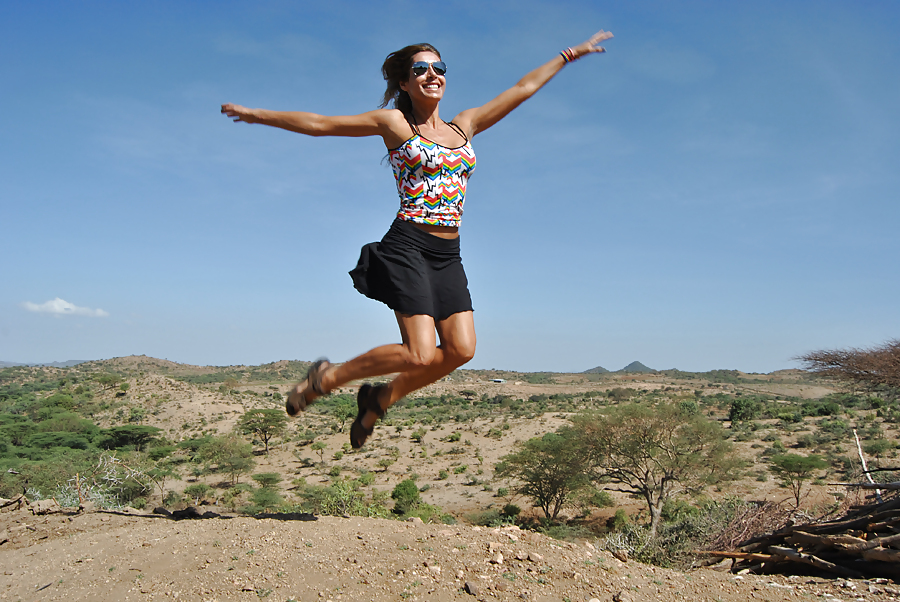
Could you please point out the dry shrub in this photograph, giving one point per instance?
(866, 367)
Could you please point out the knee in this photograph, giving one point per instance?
(461, 354)
(417, 358)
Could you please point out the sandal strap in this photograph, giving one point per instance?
(372, 400)
(314, 375)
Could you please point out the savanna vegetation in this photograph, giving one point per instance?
(647, 468)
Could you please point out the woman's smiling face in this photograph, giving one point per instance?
(426, 87)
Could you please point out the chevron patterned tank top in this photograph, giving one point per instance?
(431, 179)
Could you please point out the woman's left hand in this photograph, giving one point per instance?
(591, 45)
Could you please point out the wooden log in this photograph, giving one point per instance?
(881, 526)
(737, 555)
(811, 560)
(882, 554)
(878, 542)
(876, 486)
(799, 537)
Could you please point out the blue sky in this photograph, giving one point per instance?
(719, 190)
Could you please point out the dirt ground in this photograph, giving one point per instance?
(107, 557)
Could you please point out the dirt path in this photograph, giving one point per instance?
(105, 557)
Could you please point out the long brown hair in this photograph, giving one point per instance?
(396, 70)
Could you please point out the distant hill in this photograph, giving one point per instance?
(597, 370)
(66, 364)
(637, 367)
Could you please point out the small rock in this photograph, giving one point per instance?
(471, 588)
(87, 507)
(620, 555)
(435, 570)
(44, 506)
(535, 557)
(892, 591)
(623, 596)
(460, 574)
(521, 555)
(498, 559)
(589, 545)
(4, 536)
(492, 546)
(500, 587)
(415, 520)
(594, 600)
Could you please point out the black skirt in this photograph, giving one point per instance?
(414, 272)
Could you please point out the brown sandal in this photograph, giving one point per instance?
(366, 401)
(296, 401)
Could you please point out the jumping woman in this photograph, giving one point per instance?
(416, 269)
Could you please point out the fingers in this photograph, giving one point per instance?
(232, 111)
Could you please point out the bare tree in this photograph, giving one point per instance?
(870, 368)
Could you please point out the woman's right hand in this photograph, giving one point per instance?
(239, 113)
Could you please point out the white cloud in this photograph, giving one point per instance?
(61, 307)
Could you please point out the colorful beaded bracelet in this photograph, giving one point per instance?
(568, 55)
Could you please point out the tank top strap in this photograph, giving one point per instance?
(458, 130)
(413, 126)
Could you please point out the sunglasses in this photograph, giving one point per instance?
(421, 67)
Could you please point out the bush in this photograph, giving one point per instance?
(267, 479)
(743, 409)
(406, 497)
(266, 498)
(878, 447)
(511, 510)
(618, 521)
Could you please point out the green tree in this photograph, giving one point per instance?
(550, 470)
(267, 479)
(406, 496)
(743, 409)
(107, 380)
(794, 470)
(15, 428)
(655, 452)
(230, 454)
(197, 491)
(319, 448)
(120, 436)
(265, 424)
(265, 498)
(343, 409)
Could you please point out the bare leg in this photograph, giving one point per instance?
(417, 359)
(457, 347)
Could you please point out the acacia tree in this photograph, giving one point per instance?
(873, 367)
(230, 453)
(265, 424)
(655, 452)
(550, 470)
(794, 470)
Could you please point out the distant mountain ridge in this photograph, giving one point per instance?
(632, 367)
(66, 364)
(637, 367)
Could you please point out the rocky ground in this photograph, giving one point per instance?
(108, 556)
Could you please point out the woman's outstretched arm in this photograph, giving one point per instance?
(481, 118)
(381, 122)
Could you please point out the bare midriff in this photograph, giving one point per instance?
(439, 231)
